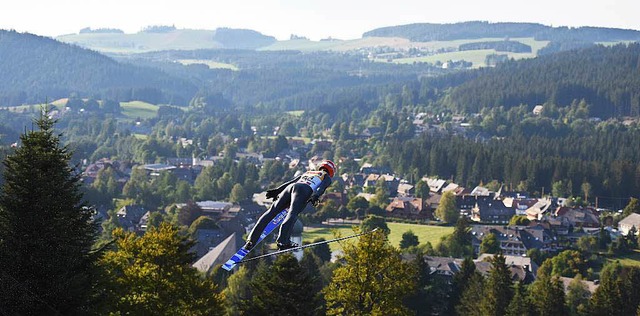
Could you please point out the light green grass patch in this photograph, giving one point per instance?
(630, 259)
(425, 233)
(139, 109)
(212, 64)
(296, 113)
(140, 136)
(302, 45)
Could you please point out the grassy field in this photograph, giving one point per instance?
(135, 109)
(183, 39)
(209, 63)
(425, 233)
(631, 259)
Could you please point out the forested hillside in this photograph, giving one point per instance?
(36, 68)
(607, 78)
(424, 32)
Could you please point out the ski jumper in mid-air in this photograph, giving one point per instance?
(293, 194)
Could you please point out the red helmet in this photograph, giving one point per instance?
(329, 166)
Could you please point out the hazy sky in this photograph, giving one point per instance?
(344, 19)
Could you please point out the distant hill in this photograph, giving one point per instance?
(606, 78)
(425, 32)
(34, 69)
(169, 38)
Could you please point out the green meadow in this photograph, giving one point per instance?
(425, 233)
(135, 109)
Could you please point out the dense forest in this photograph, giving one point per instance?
(424, 32)
(605, 77)
(36, 68)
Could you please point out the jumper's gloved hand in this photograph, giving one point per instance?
(314, 200)
(272, 194)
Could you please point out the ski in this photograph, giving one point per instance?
(275, 253)
(242, 252)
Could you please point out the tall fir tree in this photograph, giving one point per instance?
(547, 292)
(460, 281)
(283, 289)
(499, 291)
(519, 305)
(46, 231)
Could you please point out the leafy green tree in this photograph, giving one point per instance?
(372, 222)
(618, 293)
(46, 231)
(498, 290)
(559, 189)
(577, 297)
(458, 244)
(283, 289)
(189, 213)
(237, 193)
(519, 220)
(421, 302)
(422, 190)
(237, 294)
(322, 251)
(358, 205)
(587, 244)
(586, 190)
(632, 207)
(447, 210)
(490, 244)
(568, 263)
(409, 239)
(373, 281)
(152, 275)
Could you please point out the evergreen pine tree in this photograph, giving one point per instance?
(547, 292)
(499, 291)
(519, 305)
(460, 281)
(46, 231)
(283, 289)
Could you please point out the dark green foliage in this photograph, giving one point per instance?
(490, 244)
(519, 305)
(424, 32)
(618, 291)
(409, 239)
(498, 291)
(323, 251)
(601, 155)
(461, 281)
(46, 231)
(283, 289)
(632, 207)
(547, 293)
(500, 46)
(374, 221)
(609, 93)
(34, 66)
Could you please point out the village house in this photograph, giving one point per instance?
(625, 225)
(129, 217)
(492, 211)
(407, 208)
(571, 218)
(515, 240)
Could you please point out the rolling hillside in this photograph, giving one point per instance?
(34, 69)
(175, 39)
